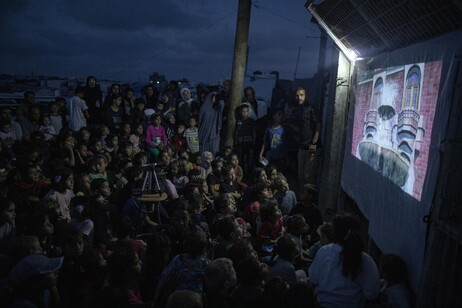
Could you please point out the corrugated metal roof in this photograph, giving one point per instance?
(372, 26)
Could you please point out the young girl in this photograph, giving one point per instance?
(177, 175)
(95, 146)
(103, 132)
(112, 145)
(170, 126)
(234, 162)
(82, 185)
(83, 136)
(136, 139)
(260, 192)
(271, 227)
(81, 155)
(229, 184)
(47, 129)
(63, 192)
(7, 224)
(155, 136)
(285, 197)
(179, 141)
(114, 114)
(125, 131)
(31, 186)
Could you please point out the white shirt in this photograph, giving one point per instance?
(76, 108)
(335, 290)
(262, 107)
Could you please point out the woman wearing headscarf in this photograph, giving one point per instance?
(210, 116)
(187, 107)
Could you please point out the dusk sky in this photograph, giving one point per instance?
(128, 40)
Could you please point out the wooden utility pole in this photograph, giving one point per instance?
(239, 65)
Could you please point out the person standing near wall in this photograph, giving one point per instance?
(309, 129)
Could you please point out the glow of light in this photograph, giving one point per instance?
(349, 53)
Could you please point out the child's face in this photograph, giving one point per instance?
(105, 190)
(192, 122)
(97, 147)
(278, 116)
(174, 170)
(46, 121)
(156, 121)
(54, 109)
(9, 214)
(284, 186)
(234, 161)
(114, 142)
(277, 213)
(230, 176)
(83, 151)
(33, 175)
(100, 165)
(6, 128)
(265, 193)
(70, 182)
(117, 101)
(126, 129)
(139, 130)
(204, 188)
(262, 177)
(47, 227)
(128, 150)
(228, 151)
(244, 113)
(218, 167)
(273, 175)
(85, 135)
(180, 129)
(86, 182)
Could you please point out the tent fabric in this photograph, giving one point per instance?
(396, 216)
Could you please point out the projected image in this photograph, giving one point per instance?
(394, 113)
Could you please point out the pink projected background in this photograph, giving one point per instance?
(394, 112)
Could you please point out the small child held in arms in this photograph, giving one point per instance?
(192, 135)
(136, 139)
(47, 129)
(156, 139)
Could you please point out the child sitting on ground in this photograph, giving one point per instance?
(271, 227)
(285, 197)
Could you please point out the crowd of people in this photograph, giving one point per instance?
(230, 232)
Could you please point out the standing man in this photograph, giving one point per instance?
(309, 129)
